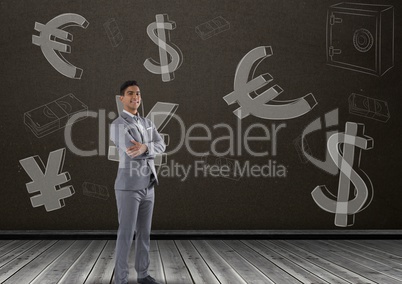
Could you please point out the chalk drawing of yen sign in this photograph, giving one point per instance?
(52, 49)
(263, 106)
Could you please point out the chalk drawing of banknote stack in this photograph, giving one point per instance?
(369, 107)
(113, 32)
(53, 116)
(212, 27)
(360, 37)
(95, 190)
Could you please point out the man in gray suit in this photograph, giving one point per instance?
(137, 141)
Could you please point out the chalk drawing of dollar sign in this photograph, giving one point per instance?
(348, 202)
(159, 33)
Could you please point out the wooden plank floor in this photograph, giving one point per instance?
(207, 261)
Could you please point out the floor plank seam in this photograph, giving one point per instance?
(360, 274)
(53, 261)
(298, 264)
(278, 267)
(250, 262)
(321, 266)
(22, 267)
(206, 262)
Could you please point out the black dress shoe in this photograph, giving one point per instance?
(147, 280)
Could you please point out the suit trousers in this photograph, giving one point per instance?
(135, 209)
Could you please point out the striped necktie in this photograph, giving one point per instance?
(139, 126)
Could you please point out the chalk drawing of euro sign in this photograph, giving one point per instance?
(52, 49)
(263, 105)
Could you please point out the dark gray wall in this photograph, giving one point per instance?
(296, 31)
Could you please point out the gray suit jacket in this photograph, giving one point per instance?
(134, 173)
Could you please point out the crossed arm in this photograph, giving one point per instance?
(137, 149)
(121, 137)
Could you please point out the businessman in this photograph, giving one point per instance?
(138, 142)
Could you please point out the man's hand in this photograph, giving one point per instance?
(137, 149)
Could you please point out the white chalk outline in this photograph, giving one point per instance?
(368, 112)
(110, 35)
(215, 28)
(52, 193)
(60, 121)
(353, 140)
(52, 49)
(347, 9)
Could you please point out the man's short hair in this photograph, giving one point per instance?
(127, 84)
